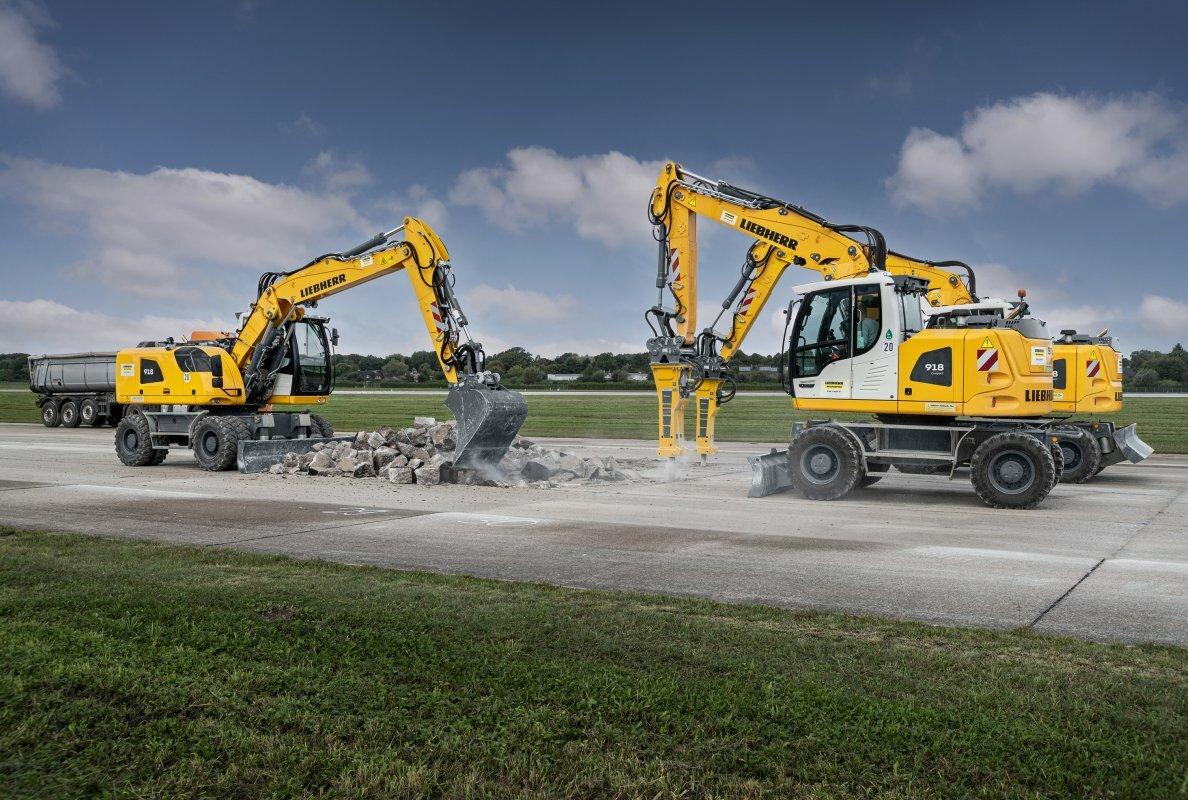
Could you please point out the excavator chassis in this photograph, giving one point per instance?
(924, 449)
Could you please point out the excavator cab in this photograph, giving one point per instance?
(306, 374)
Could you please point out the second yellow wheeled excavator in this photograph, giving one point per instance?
(236, 399)
(959, 389)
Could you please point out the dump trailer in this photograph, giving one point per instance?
(75, 389)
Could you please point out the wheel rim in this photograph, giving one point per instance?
(1072, 455)
(67, 414)
(209, 443)
(130, 440)
(88, 413)
(820, 464)
(48, 414)
(1012, 472)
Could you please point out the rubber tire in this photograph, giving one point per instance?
(1085, 464)
(215, 440)
(1057, 459)
(321, 427)
(69, 414)
(134, 445)
(870, 480)
(50, 416)
(843, 449)
(88, 414)
(1034, 450)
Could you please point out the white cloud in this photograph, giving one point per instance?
(29, 69)
(512, 306)
(1164, 316)
(1048, 141)
(601, 196)
(37, 326)
(418, 201)
(145, 230)
(338, 174)
(304, 125)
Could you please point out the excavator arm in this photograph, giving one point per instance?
(488, 415)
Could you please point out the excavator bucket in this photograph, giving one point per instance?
(489, 417)
(769, 473)
(257, 455)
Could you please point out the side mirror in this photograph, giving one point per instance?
(216, 372)
(334, 336)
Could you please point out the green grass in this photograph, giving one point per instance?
(1162, 422)
(138, 670)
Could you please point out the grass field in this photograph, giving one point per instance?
(1162, 422)
(137, 670)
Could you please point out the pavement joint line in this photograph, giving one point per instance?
(309, 530)
(1138, 529)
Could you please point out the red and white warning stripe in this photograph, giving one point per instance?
(1092, 368)
(674, 265)
(437, 320)
(987, 358)
(745, 303)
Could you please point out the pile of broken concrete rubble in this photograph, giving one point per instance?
(423, 453)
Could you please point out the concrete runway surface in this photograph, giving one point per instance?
(1107, 560)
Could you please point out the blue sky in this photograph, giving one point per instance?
(156, 157)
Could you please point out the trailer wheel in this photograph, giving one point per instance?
(1012, 470)
(50, 417)
(88, 413)
(321, 426)
(216, 441)
(134, 444)
(69, 414)
(824, 463)
(1082, 459)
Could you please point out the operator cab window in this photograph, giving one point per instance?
(822, 335)
(312, 360)
(868, 317)
(913, 314)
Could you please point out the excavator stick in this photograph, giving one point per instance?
(489, 417)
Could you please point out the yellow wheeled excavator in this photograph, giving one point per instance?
(946, 391)
(237, 398)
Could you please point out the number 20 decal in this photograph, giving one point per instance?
(888, 347)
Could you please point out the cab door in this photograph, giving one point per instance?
(875, 364)
(821, 346)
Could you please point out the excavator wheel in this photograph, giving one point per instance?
(1057, 459)
(824, 463)
(133, 444)
(215, 440)
(1082, 459)
(320, 427)
(1012, 470)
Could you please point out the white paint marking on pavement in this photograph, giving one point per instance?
(356, 511)
(62, 448)
(103, 489)
(982, 552)
(490, 520)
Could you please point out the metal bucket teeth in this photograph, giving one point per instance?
(489, 417)
(769, 474)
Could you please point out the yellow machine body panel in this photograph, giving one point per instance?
(1087, 378)
(176, 375)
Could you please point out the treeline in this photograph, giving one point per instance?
(1152, 371)
(521, 368)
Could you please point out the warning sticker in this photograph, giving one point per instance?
(1092, 368)
(1039, 356)
(835, 387)
(987, 358)
(729, 218)
(127, 370)
(986, 343)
